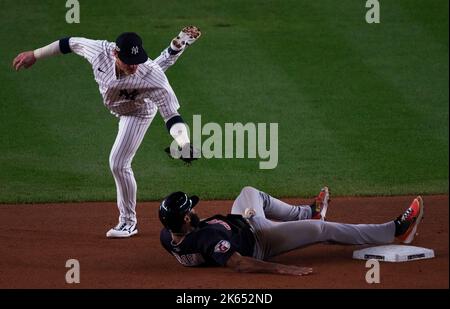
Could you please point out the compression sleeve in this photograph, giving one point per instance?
(47, 51)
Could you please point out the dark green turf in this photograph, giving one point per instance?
(362, 108)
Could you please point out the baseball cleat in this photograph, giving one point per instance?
(406, 224)
(122, 230)
(320, 205)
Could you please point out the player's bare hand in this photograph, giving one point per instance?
(25, 59)
(295, 270)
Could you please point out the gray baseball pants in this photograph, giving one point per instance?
(293, 227)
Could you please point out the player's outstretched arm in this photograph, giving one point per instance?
(247, 264)
(28, 58)
(87, 48)
(187, 36)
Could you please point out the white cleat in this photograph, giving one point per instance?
(122, 230)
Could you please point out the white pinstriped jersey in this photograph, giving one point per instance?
(138, 94)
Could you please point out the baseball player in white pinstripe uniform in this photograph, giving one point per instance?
(133, 88)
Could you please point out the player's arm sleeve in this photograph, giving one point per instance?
(165, 99)
(165, 238)
(49, 50)
(86, 48)
(162, 94)
(218, 247)
(168, 58)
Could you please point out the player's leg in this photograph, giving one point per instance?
(248, 198)
(280, 237)
(129, 137)
(285, 236)
(268, 206)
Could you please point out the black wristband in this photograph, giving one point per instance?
(64, 46)
(173, 52)
(172, 121)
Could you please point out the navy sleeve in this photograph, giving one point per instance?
(165, 239)
(172, 121)
(173, 52)
(64, 45)
(218, 246)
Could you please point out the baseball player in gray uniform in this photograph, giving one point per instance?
(261, 226)
(133, 88)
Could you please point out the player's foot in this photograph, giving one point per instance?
(122, 230)
(186, 37)
(406, 224)
(320, 205)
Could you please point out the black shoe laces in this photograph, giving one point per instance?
(120, 226)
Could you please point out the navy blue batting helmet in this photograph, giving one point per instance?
(173, 209)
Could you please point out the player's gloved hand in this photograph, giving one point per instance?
(186, 37)
(25, 59)
(187, 153)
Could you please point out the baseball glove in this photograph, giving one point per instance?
(187, 154)
(187, 36)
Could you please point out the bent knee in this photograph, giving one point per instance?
(248, 189)
(117, 166)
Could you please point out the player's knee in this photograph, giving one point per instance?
(320, 232)
(317, 228)
(116, 166)
(248, 189)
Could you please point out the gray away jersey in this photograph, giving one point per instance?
(139, 94)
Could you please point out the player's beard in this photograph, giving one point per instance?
(195, 220)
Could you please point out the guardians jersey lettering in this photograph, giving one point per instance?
(189, 259)
(216, 221)
(139, 94)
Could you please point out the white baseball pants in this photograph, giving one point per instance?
(131, 132)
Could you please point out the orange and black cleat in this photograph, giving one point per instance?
(406, 224)
(320, 205)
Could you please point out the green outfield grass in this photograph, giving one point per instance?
(361, 107)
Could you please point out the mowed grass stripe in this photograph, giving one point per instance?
(316, 68)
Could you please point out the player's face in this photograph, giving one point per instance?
(194, 219)
(128, 69)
